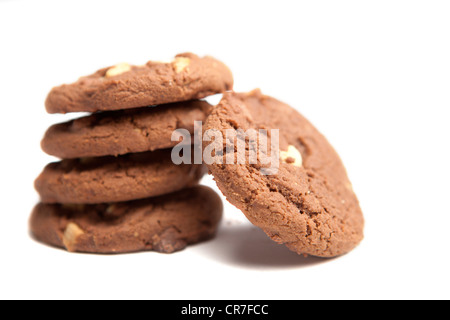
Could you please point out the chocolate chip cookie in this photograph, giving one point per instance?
(309, 204)
(110, 179)
(187, 77)
(165, 224)
(120, 132)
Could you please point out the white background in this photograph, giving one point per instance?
(373, 76)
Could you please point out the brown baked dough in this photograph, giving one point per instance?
(187, 77)
(120, 132)
(309, 205)
(166, 224)
(110, 179)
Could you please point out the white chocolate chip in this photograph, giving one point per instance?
(164, 61)
(71, 235)
(118, 69)
(111, 208)
(292, 156)
(181, 63)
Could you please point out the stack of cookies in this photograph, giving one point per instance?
(116, 188)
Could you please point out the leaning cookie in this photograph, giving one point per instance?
(165, 224)
(308, 204)
(121, 132)
(110, 179)
(187, 77)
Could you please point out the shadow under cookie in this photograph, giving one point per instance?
(247, 246)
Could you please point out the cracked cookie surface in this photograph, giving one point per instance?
(121, 132)
(165, 224)
(187, 77)
(309, 204)
(111, 179)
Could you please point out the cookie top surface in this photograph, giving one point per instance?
(187, 77)
(309, 204)
(120, 132)
(111, 179)
(165, 224)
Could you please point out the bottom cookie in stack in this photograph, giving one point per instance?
(165, 224)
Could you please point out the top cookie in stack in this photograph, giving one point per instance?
(116, 189)
(187, 77)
